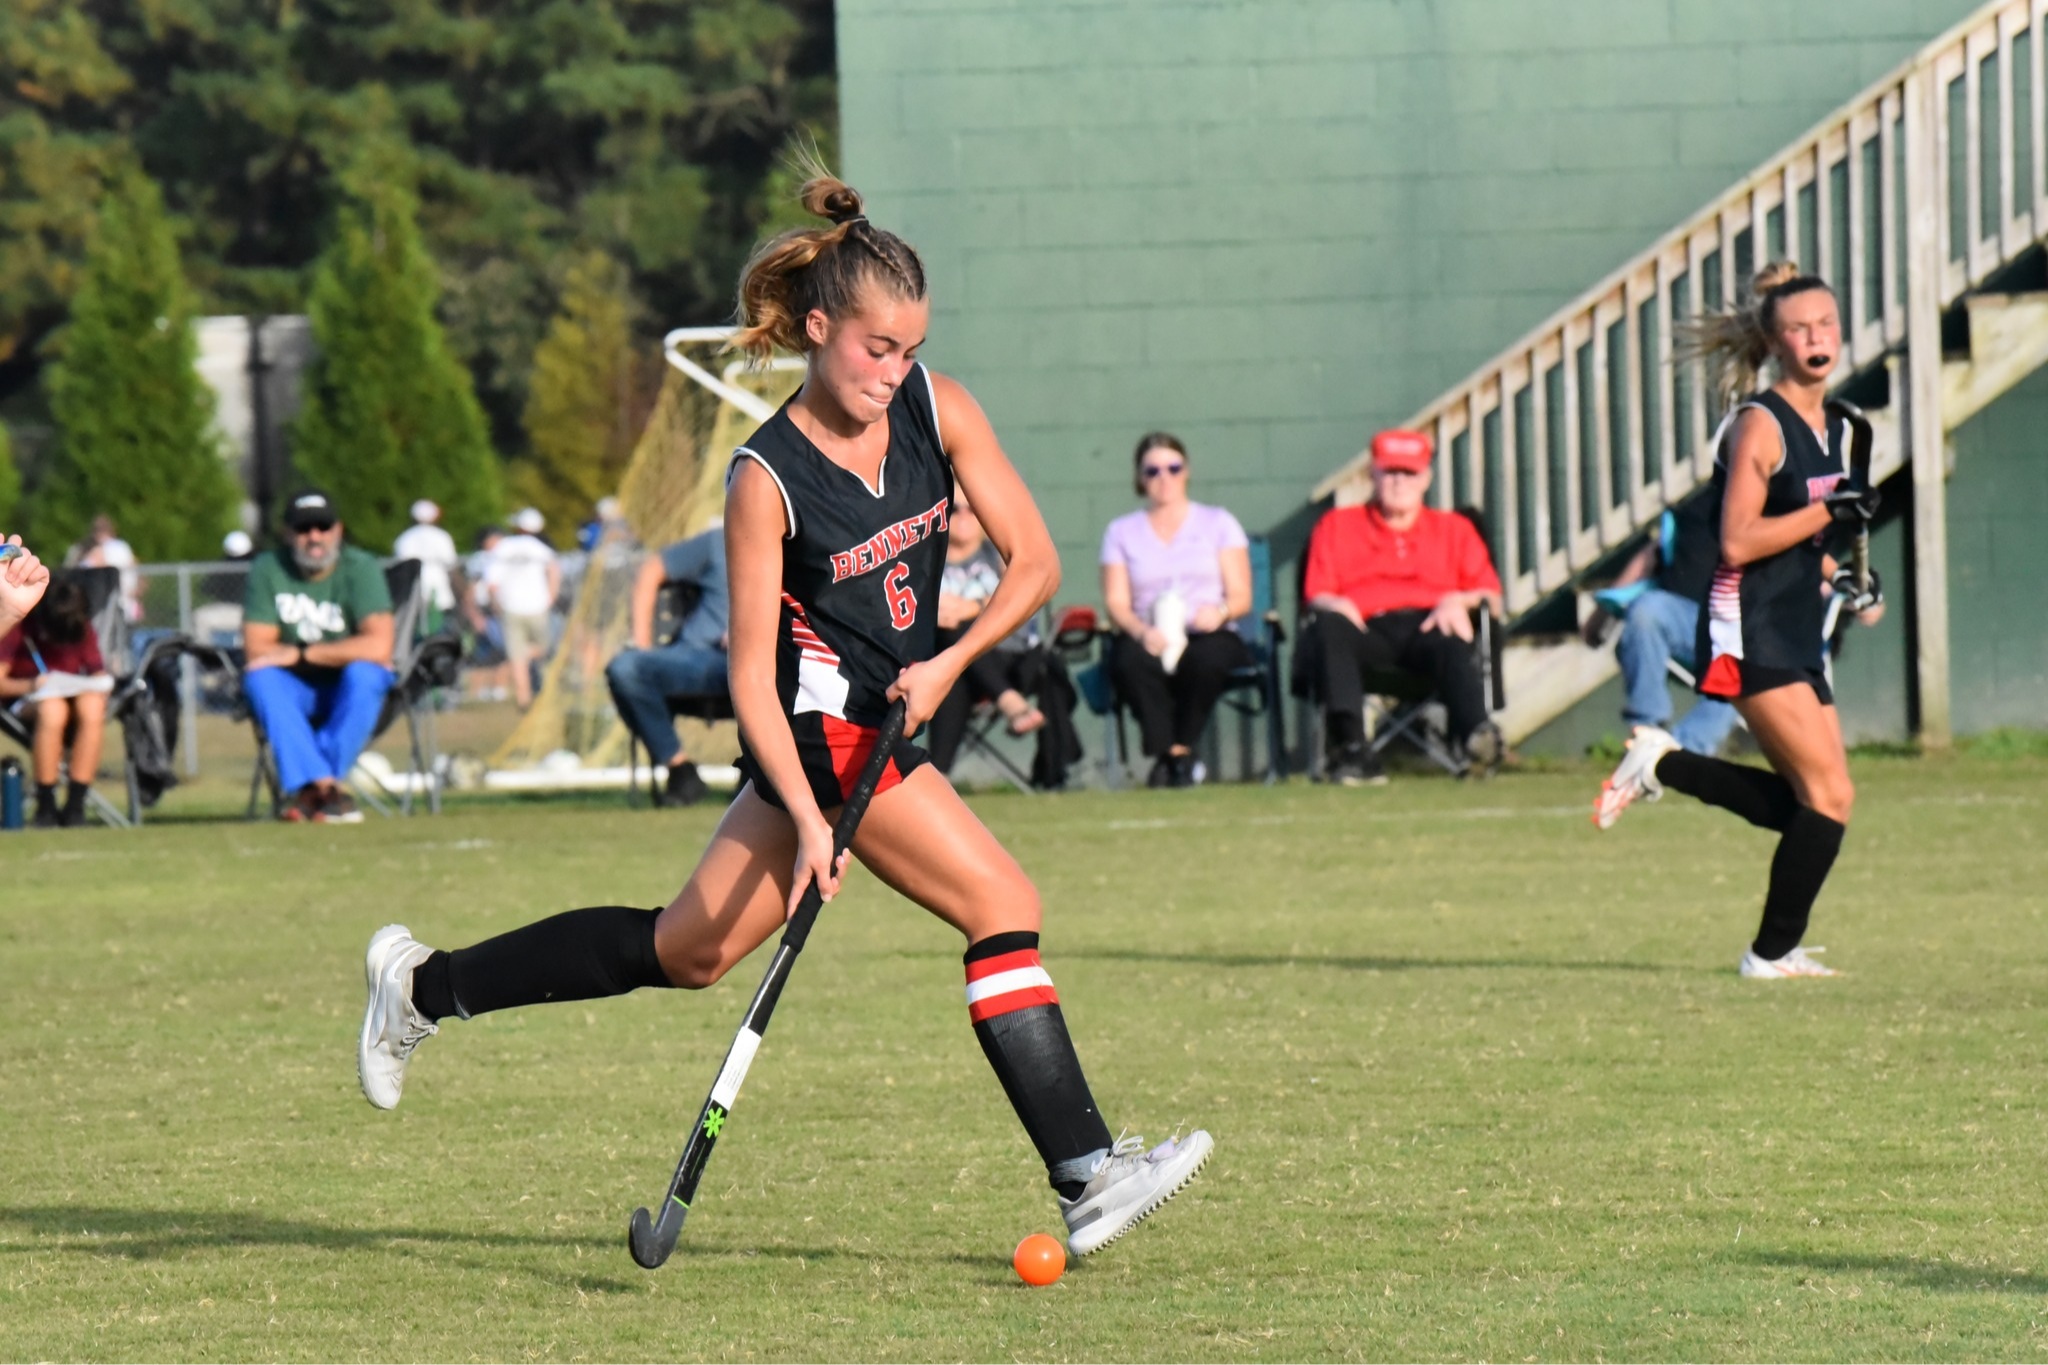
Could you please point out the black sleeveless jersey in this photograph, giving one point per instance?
(860, 565)
(1769, 613)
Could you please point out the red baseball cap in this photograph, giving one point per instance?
(1401, 450)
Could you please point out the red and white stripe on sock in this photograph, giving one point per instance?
(1008, 981)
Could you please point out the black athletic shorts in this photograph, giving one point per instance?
(1750, 679)
(833, 752)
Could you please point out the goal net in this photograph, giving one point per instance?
(673, 488)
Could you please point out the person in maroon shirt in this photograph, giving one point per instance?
(57, 640)
(1393, 584)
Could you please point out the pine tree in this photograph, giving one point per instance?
(390, 414)
(135, 422)
(588, 396)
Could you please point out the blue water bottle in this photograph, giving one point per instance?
(10, 793)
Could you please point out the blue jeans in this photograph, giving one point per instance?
(316, 729)
(1661, 626)
(642, 681)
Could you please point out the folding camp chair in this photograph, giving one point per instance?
(418, 666)
(110, 624)
(1253, 690)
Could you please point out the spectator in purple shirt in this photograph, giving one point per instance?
(1175, 574)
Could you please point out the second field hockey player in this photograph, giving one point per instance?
(835, 527)
(1781, 483)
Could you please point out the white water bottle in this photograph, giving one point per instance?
(1170, 618)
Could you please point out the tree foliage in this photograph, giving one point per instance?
(135, 422)
(10, 485)
(592, 386)
(390, 414)
(531, 130)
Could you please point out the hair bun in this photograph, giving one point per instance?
(829, 197)
(1773, 275)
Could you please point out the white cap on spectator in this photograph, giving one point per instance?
(426, 510)
(529, 520)
(236, 544)
(608, 508)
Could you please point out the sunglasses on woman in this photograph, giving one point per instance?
(1153, 471)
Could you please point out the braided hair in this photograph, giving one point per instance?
(823, 268)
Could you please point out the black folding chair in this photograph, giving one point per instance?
(418, 665)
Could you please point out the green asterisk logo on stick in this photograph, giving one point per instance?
(713, 1121)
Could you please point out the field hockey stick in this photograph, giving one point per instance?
(651, 1239)
(1860, 439)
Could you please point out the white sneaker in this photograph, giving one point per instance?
(1635, 776)
(1129, 1184)
(392, 1028)
(1795, 963)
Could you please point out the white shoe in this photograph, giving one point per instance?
(392, 1028)
(1635, 777)
(1129, 1184)
(1795, 963)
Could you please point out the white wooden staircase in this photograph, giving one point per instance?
(1913, 200)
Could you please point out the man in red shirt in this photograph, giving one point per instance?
(1393, 584)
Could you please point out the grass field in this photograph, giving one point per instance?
(1484, 1084)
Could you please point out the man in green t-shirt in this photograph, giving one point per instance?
(317, 631)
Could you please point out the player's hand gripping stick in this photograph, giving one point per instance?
(650, 1238)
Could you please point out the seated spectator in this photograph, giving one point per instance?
(56, 675)
(1658, 598)
(644, 677)
(524, 579)
(317, 629)
(23, 579)
(1393, 584)
(1175, 574)
(1007, 676)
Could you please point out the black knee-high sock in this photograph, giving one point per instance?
(1756, 794)
(1016, 1016)
(579, 955)
(1805, 853)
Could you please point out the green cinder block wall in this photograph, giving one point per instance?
(1274, 226)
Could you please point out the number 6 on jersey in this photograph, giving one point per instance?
(902, 600)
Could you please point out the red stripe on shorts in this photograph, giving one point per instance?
(850, 746)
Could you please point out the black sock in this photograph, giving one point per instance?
(1343, 730)
(1805, 853)
(1758, 795)
(579, 955)
(46, 794)
(1024, 1036)
(74, 798)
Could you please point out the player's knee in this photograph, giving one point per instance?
(1834, 797)
(693, 967)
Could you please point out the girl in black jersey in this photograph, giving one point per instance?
(1781, 483)
(835, 528)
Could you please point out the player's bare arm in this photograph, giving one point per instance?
(1015, 528)
(1747, 535)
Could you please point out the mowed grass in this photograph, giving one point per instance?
(1484, 1085)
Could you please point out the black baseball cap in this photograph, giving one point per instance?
(309, 509)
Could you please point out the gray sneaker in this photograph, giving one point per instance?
(1129, 1184)
(392, 1028)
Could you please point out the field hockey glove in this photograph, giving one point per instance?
(1844, 584)
(1853, 505)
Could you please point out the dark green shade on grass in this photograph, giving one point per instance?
(1484, 1085)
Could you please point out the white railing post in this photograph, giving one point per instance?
(1926, 206)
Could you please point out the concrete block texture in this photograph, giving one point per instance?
(1299, 220)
